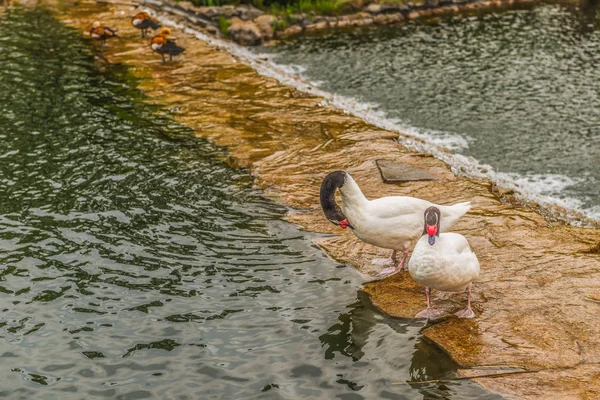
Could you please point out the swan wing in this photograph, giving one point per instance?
(454, 244)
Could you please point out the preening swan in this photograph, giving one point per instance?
(392, 222)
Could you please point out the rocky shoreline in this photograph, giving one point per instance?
(249, 26)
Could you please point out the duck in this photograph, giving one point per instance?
(392, 222)
(144, 21)
(444, 262)
(164, 43)
(99, 32)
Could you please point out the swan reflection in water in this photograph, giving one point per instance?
(364, 334)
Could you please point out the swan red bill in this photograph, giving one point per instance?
(431, 230)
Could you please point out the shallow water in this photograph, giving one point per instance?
(518, 90)
(135, 263)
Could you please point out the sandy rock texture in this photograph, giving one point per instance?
(538, 297)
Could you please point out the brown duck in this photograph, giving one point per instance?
(163, 44)
(99, 32)
(144, 21)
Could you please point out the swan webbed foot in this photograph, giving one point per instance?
(390, 271)
(393, 260)
(387, 272)
(382, 261)
(466, 313)
(429, 313)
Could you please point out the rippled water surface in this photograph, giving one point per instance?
(136, 264)
(522, 87)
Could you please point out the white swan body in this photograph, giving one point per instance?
(449, 265)
(393, 222)
(443, 261)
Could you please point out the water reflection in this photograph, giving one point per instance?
(363, 333)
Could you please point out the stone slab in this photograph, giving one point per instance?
(393, 172)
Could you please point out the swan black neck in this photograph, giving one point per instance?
(335, 180)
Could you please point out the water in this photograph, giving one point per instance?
(135, 263)
(518, 90)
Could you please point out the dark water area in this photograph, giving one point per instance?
(135, 263)
(517, 90)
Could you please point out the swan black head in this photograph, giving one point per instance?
(333, 181)
(432, 224)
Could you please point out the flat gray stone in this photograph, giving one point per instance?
(392, 172)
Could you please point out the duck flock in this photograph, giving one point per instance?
(440, 260)
(163, 43)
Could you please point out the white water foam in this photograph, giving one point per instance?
(544, 189)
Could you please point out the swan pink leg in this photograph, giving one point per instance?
(467, 312)
(429, 312)
(400, 266)
(397, 267)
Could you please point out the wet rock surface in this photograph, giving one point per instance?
(245, 33)
(265, 23)
(538, 297)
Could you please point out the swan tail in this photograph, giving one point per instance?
(451, 214)
(462, 208)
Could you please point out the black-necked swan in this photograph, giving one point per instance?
(443, 262)
(392, 222)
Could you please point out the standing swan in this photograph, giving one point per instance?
(392, 222)
(443, 262)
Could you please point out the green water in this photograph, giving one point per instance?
(134, 263)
